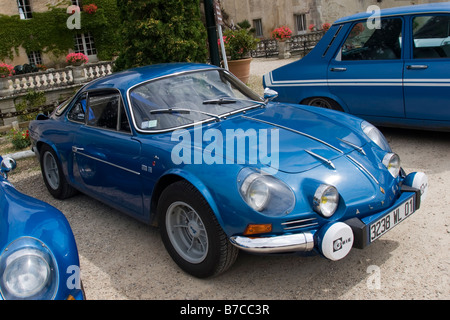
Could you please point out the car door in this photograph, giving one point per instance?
(367, 72)
(427, 76)
(106, 157)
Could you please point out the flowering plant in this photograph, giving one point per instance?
(281, 33)
(312, 27)
(238, 43)
(20, 139)
(326, 26)
(6, 70)
(75, 58)
(90, 8)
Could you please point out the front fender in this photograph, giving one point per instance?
(198, 184)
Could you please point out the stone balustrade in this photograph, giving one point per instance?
(53, 78)
(58, 84)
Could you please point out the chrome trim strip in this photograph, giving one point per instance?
(297, 221)
(329, 162)
(363, 168)
(361, 150)
(296, 131)
(276, 244)
(302, 226)
(111, 164)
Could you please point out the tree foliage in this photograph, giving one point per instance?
(157, 31)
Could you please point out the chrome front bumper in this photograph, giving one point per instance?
(285, 243)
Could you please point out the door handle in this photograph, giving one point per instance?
(76, 149)
(417, 67)
(341, 69)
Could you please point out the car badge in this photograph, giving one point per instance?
(382, 190)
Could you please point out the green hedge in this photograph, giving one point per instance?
(155, 31)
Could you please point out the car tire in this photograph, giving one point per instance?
(323, 102)
(191, 233)
(53, 175)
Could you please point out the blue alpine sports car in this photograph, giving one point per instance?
(389, 67)
(191, 149)
(38, 257)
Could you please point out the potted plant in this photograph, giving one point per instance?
(282, 34)
(6, 70)
(238, 44)
(76, 59)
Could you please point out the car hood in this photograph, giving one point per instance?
(287, 138)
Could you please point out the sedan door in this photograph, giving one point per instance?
(367, 72)
(106, 157)
(427, 73)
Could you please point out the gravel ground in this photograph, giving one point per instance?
(124, 259)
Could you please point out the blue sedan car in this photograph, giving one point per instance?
(191, 149)
(390, 68)
(38, 257)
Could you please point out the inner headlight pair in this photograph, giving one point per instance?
(326, 200)
(28, 271)
(265, 193)
(392, 163)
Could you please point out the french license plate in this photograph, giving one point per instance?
(387, 222)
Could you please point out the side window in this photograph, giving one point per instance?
(367, 43)
(78, 110)
(431, 37)
(105, 110)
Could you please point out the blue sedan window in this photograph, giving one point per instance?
(189, 98)
(368, 43)
(431, 37)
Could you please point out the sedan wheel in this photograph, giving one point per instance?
(322, 102)
(191, 233)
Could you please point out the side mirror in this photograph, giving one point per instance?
(270, 94)
(8, 164)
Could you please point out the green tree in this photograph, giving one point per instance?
(157, 31)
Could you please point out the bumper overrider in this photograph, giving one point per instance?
(335, 240)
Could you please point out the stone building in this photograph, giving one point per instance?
(298, 15)
(24, 9)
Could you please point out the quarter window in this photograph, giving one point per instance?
(365, 42)
(106, 111)
(431, 37)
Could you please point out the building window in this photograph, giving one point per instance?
(84, 43)
(24, 9)
(300, 23)
(34, 57)
(257, 24)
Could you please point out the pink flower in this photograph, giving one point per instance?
(76, 57)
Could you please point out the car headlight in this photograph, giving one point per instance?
(375, 135)
(326, 200)
(392, 163)
(265, 193)
(28, 271)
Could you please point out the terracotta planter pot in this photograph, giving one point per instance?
(240, 68)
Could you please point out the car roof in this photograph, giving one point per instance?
(440, 7)
(125, 79)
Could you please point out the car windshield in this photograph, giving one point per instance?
(189, 98)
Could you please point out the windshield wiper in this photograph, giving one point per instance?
(180, 110)
(220, 101)
(233, 100)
